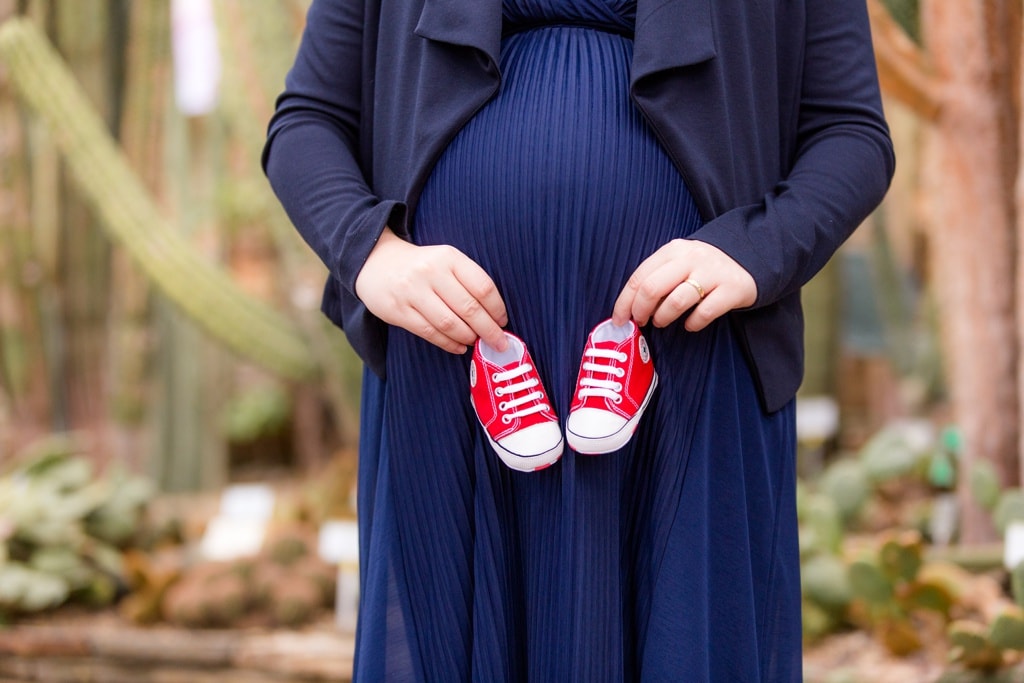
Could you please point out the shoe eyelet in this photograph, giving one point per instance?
(617, 400)
(620, 372)
(622, 357)
(618, 387)
(499, 391)
(505, 419)
(503, 406)
(494, 377)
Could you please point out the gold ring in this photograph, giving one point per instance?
(696, 285)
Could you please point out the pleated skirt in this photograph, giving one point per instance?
(673, 559)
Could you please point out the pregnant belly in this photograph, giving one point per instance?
(558, 179)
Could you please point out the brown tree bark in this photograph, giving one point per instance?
(904, 71)
(970, 162)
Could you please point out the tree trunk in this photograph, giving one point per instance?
(969, 166)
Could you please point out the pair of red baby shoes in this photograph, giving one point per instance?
(614, 386)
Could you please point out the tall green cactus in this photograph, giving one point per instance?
(206, 293)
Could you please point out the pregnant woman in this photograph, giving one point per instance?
(671, 170)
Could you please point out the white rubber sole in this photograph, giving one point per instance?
(528, 463)
(608, 443)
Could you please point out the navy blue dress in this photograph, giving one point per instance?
(673, 559)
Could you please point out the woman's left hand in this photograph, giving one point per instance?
(682, 275)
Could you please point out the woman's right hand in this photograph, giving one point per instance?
(436, 292)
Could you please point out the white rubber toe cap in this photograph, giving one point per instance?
(592, 431)
(532, 448)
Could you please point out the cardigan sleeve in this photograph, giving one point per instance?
(312, 152)
(842, 166)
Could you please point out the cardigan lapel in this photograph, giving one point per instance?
(671, 34)
(473, 23)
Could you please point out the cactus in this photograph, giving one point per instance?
(1007, 631)
(898, 635)
(226, 599)
(204, 292)
(294, 601)
(927, 595)
(1010, 508)
(323, 575)
(984, 481)
(889, 586)
(261, 411)
(971, 647)
(825, 581)
(286, 584)
(287, 546)
(869, 583)
(821, 527)
(901, 555)
(846, 483)
(1017, 583)
(889, 455)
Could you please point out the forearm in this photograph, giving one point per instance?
(312, 154)
(314, 174)
(789, 236)
(838, 170)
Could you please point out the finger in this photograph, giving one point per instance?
(462, 316)
(659, 285)
(717, 302)
(416, 323)
(475, 298)
(436, 310)
(622, 311)
(478, 283)
(682, 298)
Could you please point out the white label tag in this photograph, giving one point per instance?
(196, 56)
(227, 538)
(247, 501)
(339, 542)
(1013, 545)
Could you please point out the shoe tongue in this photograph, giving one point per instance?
(610, 332)
(513, 354)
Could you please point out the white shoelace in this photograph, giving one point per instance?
(606, 388)
(514, 403)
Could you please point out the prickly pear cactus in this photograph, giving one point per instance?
(971, 647)
(1007, 631)
(847, 484)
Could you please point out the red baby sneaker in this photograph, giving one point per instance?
(513, 407)
(615, 384)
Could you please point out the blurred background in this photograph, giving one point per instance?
(178, 421)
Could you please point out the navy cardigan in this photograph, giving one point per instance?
(770, 109)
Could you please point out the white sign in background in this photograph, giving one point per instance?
(197, 64)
